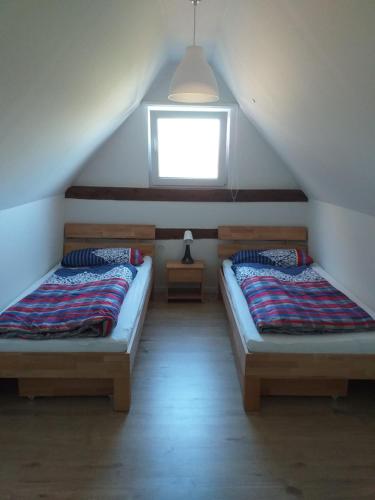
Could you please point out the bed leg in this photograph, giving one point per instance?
(251, 394)
(121, 394)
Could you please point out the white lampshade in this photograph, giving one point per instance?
(188, 237)
(194, 80)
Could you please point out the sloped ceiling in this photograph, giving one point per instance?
(310, 67)
(71, 71)
(76, 69)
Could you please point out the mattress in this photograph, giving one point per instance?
(339, 343)
(120, 336)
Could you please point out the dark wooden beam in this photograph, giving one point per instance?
(192, 195)
(166, 233)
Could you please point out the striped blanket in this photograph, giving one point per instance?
(82, 302)
(298, 301)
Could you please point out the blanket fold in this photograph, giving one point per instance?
(80, 302)
(298, 301)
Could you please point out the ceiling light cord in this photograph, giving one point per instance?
(195, 3)
(195, 10)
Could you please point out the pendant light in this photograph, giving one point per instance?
(194, 80)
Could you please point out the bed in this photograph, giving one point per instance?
(283, 364)
(88, 366)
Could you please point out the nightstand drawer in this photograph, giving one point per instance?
(184, 275)
(184, 281)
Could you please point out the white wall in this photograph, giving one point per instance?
(343, 242)
(31, 243)
(123, 161)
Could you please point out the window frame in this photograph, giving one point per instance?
(222, 113)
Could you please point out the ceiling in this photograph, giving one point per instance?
(71, 72)
(76, 69)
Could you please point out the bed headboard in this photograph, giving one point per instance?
(78, 236)
(266, 237)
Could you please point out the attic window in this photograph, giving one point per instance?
(188, 146)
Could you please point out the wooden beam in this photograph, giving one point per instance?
(166, 233)
(190, 195)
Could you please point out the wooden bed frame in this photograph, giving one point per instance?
(276, 374)
(80, 373)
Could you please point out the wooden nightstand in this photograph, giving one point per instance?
(185, 281)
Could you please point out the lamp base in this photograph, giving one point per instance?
(187, 258)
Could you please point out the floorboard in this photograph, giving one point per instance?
(186, 436)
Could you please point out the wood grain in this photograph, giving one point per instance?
(62, 365)
(79, 236)
(121, 394)
(64, 387)
(190, 195)
(304, 387)
(239, 346)
(138, 327)
(110, 231)
(334, 366)
(259, 233)
(176, 264)
(265, 237)
(187, 436)
(184, 276)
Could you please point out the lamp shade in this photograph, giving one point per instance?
(188, 237)
(194, 80)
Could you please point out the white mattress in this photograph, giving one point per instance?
(117, 341)
(340, 343)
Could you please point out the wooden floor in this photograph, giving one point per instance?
(186, 436)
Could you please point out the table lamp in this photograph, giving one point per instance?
(188, 240)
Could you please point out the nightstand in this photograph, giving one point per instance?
(185, 281)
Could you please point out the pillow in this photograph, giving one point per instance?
(277, 257)
(102, 256)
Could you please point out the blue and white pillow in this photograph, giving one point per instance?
(102, 256)
(276, 257)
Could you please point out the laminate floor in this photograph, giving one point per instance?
(186, 436)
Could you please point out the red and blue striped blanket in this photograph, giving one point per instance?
(298, 301)
(80, 302)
